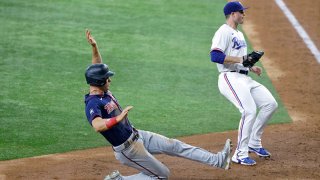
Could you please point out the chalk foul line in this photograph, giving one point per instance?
(303, 34)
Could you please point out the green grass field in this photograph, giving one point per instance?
(159, 50)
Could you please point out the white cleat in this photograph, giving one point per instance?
(113, 176)
(227, 149)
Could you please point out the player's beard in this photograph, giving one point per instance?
(106, 86)
(240, 20)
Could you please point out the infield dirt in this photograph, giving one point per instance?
(295, 74)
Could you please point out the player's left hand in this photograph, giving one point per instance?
(124, 113)
(256, 69)
(252, 58)
(90, 39)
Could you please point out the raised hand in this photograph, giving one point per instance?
(90, 38)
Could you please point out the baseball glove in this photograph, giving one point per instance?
(250, 59)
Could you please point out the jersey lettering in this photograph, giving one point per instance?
(237, 44)
(110, 107)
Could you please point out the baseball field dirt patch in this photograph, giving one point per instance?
(295, 74)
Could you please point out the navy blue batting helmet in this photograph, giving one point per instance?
(97, 74)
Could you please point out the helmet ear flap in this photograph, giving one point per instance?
(97, 74)
(95, 82)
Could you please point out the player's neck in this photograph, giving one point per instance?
(96, 90)
(232, 24)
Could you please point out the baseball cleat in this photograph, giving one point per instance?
(113, 176)
(244, 161)
(227, 149)
(260, 152)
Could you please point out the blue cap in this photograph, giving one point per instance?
(233, 7)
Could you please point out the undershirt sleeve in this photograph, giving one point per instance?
(217, 56)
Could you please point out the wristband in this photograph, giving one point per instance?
(111, 122)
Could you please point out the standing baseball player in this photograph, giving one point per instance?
(229, 51)
(134, 147)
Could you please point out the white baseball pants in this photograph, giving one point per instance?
(248, 96)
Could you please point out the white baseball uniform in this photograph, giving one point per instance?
(245, 93)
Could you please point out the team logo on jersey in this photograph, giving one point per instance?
(110, 107)
(91, 111)
(237, 44)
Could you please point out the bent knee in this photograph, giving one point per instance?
(273, 105)
(164, 173)
(250, 112)
(171, 146)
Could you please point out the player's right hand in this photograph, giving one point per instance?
(256, 69)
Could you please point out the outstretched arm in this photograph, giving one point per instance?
(96, 57)
(101, 125)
